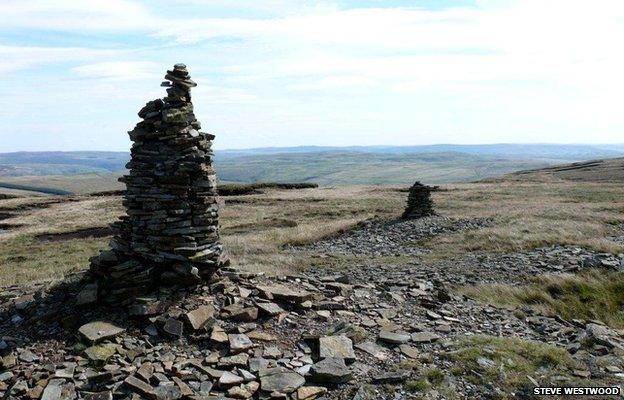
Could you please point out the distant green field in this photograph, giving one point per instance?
(64, 184)
(87, 172)
(323, 168)
(336, 168)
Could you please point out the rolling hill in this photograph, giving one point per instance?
(609, 170)
(92, 171)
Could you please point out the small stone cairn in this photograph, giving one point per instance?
(419, 203)
(170, 235)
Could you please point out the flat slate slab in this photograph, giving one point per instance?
(331, 370)
(336, 347)
(98, 331)
(282, 292)
(281, 380)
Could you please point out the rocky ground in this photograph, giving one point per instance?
(368, 331)
(394, 238)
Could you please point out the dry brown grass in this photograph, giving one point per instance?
(592, 294)
(531, 215)
(253, 241)
(257, 227)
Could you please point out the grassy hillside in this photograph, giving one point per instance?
(610, 170)
(325, 169)
(334, 168)
(77, 184)
(61, 163)
(85, 172)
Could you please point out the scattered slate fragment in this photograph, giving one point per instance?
(239, 342)
(199, 317)
(338, 346)
(98, 331)
(424, 337)
(373, 349)
(107, 395)
(409, 351)
(394, 337)
(53, 390)
(280, 380)
(310, 392)
(140, 387)
(282, 292)
(100, 353)
(228, 379)
(330, 370)
(271, 309)
(173, 327)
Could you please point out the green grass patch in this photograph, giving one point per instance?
(593, 294)
(420, 385)
(26, 259)
(506, 362)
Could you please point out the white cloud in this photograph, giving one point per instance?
(75, 15)
(121, 70)
(334, 82)
(569, 42)
(15, 58)
(535, 70)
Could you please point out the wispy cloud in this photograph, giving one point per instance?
(294, 70)
(14, 58)
(120, 70)
(72, 15)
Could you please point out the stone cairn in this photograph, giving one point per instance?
(419, 203)
(170, 235)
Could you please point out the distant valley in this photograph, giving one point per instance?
(87, 171)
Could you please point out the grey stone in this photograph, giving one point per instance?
(107, 395)
(140, 387)
(228, 379)
(87, 295)
(173, 327)
(199, 317)
(98, 331)
(336, 347)
(330, 370)
(239, 342)
(271, 309)
(424, 337)
(373, 349)
(281, 380)
(282, 292)
(394, 337)
(53, 390)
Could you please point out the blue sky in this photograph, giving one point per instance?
(294, 72)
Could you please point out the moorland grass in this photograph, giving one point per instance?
(258, 228)
(593, 294)
(506, 362)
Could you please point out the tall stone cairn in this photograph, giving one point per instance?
(419, 203)
(170, 235)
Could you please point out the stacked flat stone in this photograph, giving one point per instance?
(419, 203)
(170, 235)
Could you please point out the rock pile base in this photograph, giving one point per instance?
(419, 203)
(170, 235)
(363, 334)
